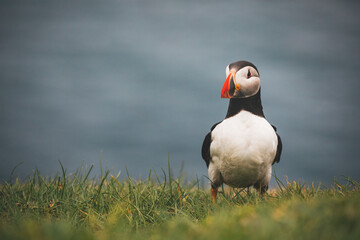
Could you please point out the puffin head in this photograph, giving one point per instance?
(243, 80)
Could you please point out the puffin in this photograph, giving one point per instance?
(240, 150)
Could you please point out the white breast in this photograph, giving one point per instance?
(242, 150)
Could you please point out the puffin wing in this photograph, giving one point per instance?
(279, 147)
(205, 150)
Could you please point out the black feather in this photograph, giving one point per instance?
(251, 104)
(279, 147)
(205, 150)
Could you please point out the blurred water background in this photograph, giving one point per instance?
(136, 81)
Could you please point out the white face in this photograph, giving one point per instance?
(247, 79)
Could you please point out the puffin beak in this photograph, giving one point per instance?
(229, 86)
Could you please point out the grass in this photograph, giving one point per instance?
(72, 206)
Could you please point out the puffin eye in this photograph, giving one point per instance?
(248, 74)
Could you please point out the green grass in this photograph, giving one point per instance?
(72, 206)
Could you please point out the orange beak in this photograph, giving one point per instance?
(229, 86)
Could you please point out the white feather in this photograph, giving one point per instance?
(242, 150)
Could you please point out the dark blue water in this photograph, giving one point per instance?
(138, 80)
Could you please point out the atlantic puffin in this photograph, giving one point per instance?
(240, 150)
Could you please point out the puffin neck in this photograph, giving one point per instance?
(251, 104)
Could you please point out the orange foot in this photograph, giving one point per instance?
(213, 194)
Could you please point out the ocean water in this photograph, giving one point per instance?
(139, 81)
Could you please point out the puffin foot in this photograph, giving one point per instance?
(213, 194)
(262, 189)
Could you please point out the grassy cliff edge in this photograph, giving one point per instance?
(76, 207)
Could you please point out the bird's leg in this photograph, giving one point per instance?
(213, 194)
(263, 190)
